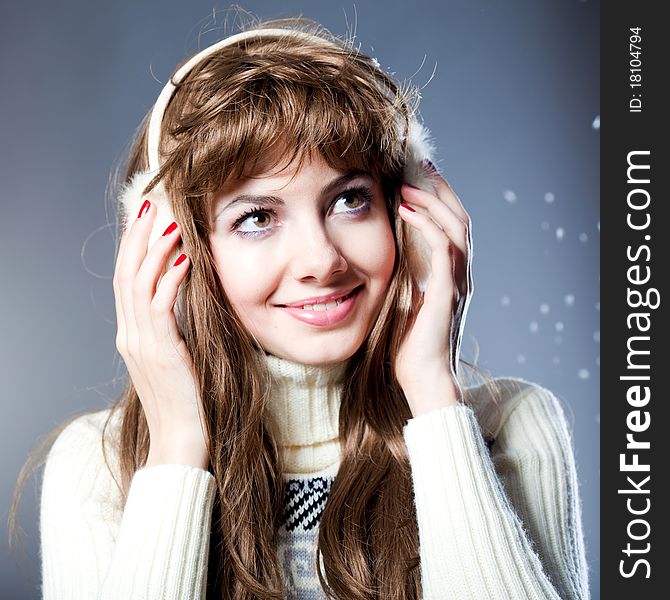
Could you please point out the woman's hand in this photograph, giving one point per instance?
(427, 361)
(149, 342)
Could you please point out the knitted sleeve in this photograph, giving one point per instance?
(156, 547)
(501, 527)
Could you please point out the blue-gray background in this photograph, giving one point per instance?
(513, 106)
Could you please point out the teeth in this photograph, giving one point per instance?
(321, 307)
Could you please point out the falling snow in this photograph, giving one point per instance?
(510, 196)
(569, 299)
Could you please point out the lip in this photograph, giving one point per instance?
(318, 299)
(324, 318)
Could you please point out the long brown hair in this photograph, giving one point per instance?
(291, 98)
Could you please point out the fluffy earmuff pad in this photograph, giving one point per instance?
(132, 197)
(419, 149)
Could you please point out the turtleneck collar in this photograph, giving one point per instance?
(304, 406)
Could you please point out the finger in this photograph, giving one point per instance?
(162, 305)
(459, 232)
(115, 282)
(454, 227)
(148, 275)
(120, 319)
(129, 220)
(441, 259)
(447, 195)
(134, 253)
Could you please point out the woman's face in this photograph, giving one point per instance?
(305, 257)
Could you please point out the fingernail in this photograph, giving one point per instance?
(429, 166)
(407, 206)
(171, 227)
(181, 259)
(144, 209)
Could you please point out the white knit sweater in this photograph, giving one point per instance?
(503, 524)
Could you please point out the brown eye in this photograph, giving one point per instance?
(254, 221)
(353, 201)
(261, 219)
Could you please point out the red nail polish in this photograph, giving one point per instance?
(171, 227)
(429, 166)
(407, 207)
(181, 259)
(144, 209)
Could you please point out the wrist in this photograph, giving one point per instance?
(178, 450)
(431, 393)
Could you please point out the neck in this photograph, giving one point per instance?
(303, 408)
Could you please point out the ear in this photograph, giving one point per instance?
(419, 148)
(132, 197)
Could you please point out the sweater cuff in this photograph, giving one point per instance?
(432, 424)
(163, 542)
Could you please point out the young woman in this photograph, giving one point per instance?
(291, 285)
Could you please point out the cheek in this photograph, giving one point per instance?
(374, 251)
(243, 277)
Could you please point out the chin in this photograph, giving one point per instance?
(319, 351)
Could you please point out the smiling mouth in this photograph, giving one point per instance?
(324, 305)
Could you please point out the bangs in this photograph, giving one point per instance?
(274, 102)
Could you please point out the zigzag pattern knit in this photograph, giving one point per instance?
(305, 501)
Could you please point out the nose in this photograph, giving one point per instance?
(316, 255)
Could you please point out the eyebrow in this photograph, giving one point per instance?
(268, 200)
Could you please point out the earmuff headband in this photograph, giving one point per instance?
(153, 140)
